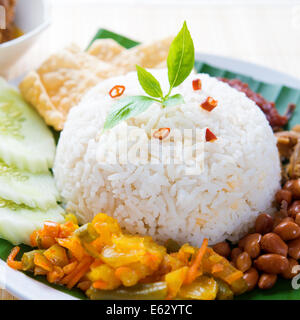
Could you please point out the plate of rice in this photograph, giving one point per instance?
(177, 178)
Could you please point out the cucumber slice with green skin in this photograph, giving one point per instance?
(35, 190)
(25, 140)
(17, 222)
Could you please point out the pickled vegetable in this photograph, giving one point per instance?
(108, 264)
(87, 233)
(28, 260)
(149, 291)
(203, 288)
(224, 291)
(227, 273)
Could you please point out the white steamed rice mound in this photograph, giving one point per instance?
(240, 177)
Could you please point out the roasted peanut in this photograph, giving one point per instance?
(297, 219)
(286, 219)
(272, 243)
(222, 248)
(267, 281)
(252, 244)
(294, 187)
(272, 263)
(283, 195)
(243, 262)
(264, 223)
(289, 274)
(294, 209)
(251, 277)
(234, 254)
(287, 230)
(277, 220)
(242, 242)
(294, 249)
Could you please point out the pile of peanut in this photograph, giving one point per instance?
(273, 249)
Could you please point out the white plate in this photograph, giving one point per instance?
(27, 288)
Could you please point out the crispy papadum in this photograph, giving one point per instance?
(60, 82)
(105, 49)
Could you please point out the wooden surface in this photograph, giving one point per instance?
(263, 32)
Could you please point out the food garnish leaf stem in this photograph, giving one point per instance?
(180, 63)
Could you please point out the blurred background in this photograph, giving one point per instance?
(266, 32)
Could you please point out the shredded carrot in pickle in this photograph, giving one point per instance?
(17, 265)
(71, 279)
(79, 275)
(100, 285)
(192, 272)
(96, 263)
(121, 270)
(84, 285)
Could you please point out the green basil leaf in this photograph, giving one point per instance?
(149, 83)
(125, 108)
(174, 100)
(181, 57)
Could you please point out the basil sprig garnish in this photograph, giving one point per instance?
(180, 63)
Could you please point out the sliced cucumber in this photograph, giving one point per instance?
(35, 190)
(17, 222)
(25, 140)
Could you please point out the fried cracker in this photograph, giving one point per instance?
(105, 49)
(145, 55)
(61, 81)
(66, 76)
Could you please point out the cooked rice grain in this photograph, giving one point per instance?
(240, 178)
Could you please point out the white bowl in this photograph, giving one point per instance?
(32, 17)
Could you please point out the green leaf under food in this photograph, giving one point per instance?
(281, 95)
(125, 108)
(149, 83)
(181, 57)
(122, 40)
(281, 291)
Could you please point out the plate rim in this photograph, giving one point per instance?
(251, 69)
(17, 282)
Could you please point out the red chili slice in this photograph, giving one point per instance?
(209, 136)
(197, 85)
(209, 104)
(161, 133)
(116, 91)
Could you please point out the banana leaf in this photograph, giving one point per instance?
(106, 34)
(281, 95)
